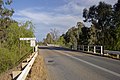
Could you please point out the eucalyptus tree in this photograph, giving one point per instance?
(101, 17)
(61, 41)
(116, 16)
(116, 21)
(55, 35)
(93, 35)
(49, 39)
(5, 21)
(71, 37)
(79, 25)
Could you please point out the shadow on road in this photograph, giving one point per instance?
(67, 49)
(54, 48)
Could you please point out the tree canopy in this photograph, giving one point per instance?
(11, 49)
(104, 29)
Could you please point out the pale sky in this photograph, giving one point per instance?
(50, 14)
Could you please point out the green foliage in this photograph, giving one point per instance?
(61, 41)
(52, 37)
(105, 28)
(100, 17)
(117, 45)
(71, 37)
(49, 39)
(93, 35)
(6, 59)
(5, 21)
(106, 21)
(4, 11)
(116, 14)
(13, 49)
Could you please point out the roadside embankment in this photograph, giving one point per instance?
(38, 70)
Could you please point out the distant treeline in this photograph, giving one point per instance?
(12, 50)
(104, 29)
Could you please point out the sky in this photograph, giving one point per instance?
(52, 14)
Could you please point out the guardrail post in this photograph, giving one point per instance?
(15, 74)
(101, 50)
(94, 49)
(36, 48)
(24, 64)
(118, 56)
(88, 48)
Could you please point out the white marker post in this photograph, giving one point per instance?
(94, 49)
(101, 50)
(88, 48)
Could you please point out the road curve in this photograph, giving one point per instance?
(64, 64)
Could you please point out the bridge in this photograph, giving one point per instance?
(66, 64)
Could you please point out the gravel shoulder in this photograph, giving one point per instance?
(38, 71)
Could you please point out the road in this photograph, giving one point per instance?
(64, 64)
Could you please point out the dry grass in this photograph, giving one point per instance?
(7, 75)
(38, 71)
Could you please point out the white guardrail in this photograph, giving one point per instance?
(26, 66)
(25, 72)
(91, 48)
(97, 49)
(52, 45)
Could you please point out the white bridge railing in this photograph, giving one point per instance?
(97, 49)
(91, 48)
(53, 45)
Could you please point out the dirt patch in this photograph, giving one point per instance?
(7, 75)
(38, 71)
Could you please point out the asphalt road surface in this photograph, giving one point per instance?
(64, 64)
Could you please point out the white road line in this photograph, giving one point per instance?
(104, 69)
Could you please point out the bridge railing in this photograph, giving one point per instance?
(97, 49)
(52, 45)
(113, 53)
(91, 48)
